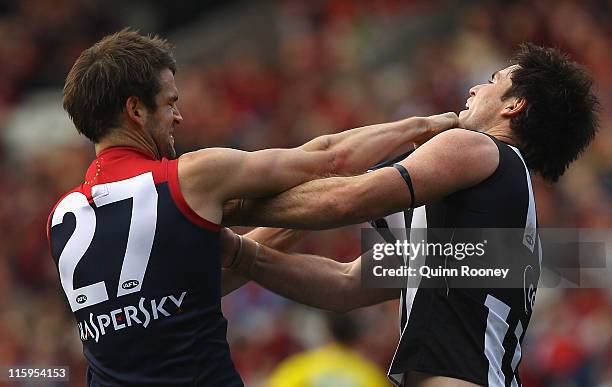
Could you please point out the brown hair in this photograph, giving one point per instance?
(105, 75)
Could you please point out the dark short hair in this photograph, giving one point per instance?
(106, 74)
(560, 118)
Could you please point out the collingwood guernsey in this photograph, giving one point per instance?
(466, 332)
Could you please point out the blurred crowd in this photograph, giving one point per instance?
(335, 65)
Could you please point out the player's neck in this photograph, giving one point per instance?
(127, 138)
(503, 133)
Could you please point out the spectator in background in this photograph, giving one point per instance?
(336, 364)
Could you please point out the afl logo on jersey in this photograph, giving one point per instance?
(81, 298)
(130, 284)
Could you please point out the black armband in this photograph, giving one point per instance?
(402, 170)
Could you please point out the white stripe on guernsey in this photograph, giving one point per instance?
(517, 352)
(494, 339)
(399, 227)
(540, 252)
(529, 236)
(418, 232)
(397, 379)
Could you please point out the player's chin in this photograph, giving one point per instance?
(171, 151)
(171, 154)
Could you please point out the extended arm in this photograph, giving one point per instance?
(451, 161)
(358, 149)
(309, 279)
(278, 238)
(210, 177)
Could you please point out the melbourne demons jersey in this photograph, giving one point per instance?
(141, 273)
(473, 334)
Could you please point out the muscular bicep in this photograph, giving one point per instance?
(212, 176)
(326, 203)
(271, 171)
(232, 173)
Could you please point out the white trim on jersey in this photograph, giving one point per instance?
(529, 237)
(497, 327)
(518, 332)
(418, 232)
(397, 224)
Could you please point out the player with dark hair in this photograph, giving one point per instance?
(137, 243)
(538, 114)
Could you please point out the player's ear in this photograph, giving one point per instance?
(514, 106)
(135, 110)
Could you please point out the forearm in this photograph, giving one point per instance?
(326, 203)
(358, 149)
(308, 279)
(316, 281)
(278, 238)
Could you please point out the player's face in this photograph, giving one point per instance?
(485, 104)
(166, 117)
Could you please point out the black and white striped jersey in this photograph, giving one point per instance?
(473, 334)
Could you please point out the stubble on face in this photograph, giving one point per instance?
(485, 103)
(162, 122)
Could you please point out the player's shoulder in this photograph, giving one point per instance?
(459, 136)
(464, 144)
(209, 167)
(206, 158)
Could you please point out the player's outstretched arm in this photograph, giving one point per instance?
(309, 279)
(278, 238)
(361, 148)
(211, 176)
(451, 161)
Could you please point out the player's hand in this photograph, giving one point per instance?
(228, 247)
(437, 124)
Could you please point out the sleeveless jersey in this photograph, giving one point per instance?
(471, 334)
(141, 273)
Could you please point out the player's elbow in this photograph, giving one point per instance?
(342, 306)
(335, 155)
(343, 300)
(340, 164)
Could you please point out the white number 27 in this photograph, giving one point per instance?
(139, 243)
